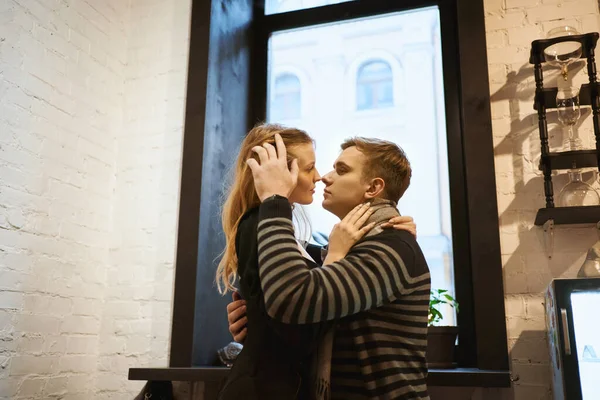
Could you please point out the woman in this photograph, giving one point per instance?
(275, 361)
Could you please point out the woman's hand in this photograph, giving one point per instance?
(403, 223)
(347, 232)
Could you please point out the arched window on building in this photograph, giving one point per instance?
(374, 85)
(286, 101)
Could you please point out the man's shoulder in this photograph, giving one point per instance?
(396, 238)
(401, 242)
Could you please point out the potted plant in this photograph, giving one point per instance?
(440, 339)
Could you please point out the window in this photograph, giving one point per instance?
(374, 85)
(286, 101)
(428, 196)
(219, 115)
(458, 235)
(280, 6)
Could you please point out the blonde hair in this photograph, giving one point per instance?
(241, 195)
(385, 160)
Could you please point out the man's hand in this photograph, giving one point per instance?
(272, 175)
(236, 315)
(402, 223)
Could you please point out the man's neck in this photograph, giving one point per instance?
(376, 202)
(383, 211)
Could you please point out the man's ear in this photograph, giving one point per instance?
(375, 188)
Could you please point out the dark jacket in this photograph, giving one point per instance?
(275, 360)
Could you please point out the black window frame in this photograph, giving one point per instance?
(227, 94)
(476, 241)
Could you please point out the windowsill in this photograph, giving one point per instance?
(472, 377)
(463, 377)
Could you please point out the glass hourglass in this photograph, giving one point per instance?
(577, 192)
(564, 53)
(567, 105)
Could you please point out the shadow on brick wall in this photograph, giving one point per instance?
(530, 372)
(527, 267)
(530, 366)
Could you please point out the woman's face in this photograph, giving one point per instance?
(307, 174)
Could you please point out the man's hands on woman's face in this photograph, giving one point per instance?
(236, 316)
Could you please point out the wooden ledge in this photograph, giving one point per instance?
(437, 377)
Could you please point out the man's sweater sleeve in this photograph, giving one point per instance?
(376, 271)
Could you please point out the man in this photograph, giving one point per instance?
(378, 293)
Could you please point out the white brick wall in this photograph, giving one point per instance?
(91, 111)
(511, 26)
(91, 115)
(137, 311)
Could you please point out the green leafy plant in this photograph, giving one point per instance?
(439, 297)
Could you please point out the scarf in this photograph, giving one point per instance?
(321, 364)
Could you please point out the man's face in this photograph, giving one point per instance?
(344, 186)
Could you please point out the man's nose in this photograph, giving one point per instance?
(326, 179)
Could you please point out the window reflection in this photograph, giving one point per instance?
(373, 64)
(280, 6)
(374, 86)
(287, 98)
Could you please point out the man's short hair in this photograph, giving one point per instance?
(385, 160)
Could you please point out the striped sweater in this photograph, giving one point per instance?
(379, 293)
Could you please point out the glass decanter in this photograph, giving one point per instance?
(564, 53)
(577, 192)
(569, 112)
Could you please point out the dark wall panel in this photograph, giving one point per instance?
(226, 123)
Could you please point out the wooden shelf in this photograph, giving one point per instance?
(204, 374)
(568, 215)
(572, 160)
(587, 40)
(437, 377)
(548, 96)
(545, 98)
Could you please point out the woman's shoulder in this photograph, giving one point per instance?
(247, 228)
(249, 220)
(246, 248)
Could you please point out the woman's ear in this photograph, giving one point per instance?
(375, 188)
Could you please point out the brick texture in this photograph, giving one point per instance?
(511, 25)
(91, 116)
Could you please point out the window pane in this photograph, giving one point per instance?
(374, 71)
(280, 6)
(407, 49)
(286, 102)
(387, 94)
(375, 84)
(364, 96)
